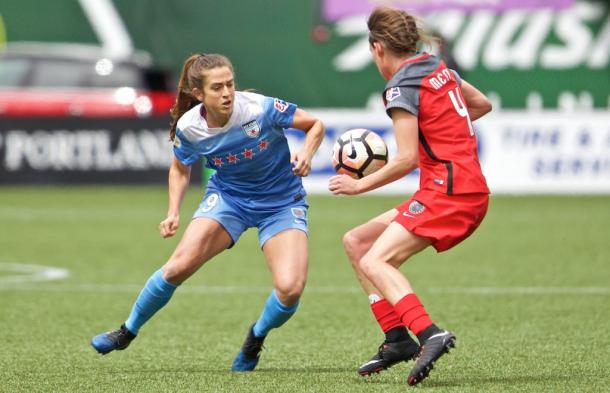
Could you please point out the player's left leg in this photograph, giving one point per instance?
(398, 346)
(283, 237)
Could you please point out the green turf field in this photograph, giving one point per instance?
(528, 296)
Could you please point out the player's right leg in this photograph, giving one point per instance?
(380, 265)
(398, 345)
(202, 240)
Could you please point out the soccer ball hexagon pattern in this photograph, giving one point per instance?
(359, 152)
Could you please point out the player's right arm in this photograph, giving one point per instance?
(179, 176)
(477, 103)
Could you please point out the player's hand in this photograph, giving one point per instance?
(343, 184)
(301, 164)
(169, 226)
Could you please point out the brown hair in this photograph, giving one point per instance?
(190, 78)
(395, 29)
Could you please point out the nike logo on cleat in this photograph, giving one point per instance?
(439, 335)
(369, 362)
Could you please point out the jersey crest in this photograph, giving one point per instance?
(252, 129)
(416, 207)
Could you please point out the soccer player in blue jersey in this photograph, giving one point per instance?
(256, 184)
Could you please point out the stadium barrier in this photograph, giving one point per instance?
(521, 152)
(85, 151)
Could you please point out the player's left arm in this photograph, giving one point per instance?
(314, 130)
(406, 131)
(477, 103)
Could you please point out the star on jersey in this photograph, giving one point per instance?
(232, 158)
(217, 161)
(248, 153)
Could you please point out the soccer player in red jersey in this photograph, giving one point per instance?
(431, 110)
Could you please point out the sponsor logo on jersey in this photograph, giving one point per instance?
(280, 105)
(392, 93)
(177, 142)
(252, 129)
(416, 207)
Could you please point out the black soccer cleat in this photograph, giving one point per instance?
(432, 349)
(249, 354)
(388, 355)
(117, 339)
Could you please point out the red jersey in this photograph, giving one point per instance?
(448, 158)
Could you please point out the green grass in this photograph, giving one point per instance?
(555, 339)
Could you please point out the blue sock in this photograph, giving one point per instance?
(274, 315)
(155, 294)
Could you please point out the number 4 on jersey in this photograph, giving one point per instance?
(458, 104)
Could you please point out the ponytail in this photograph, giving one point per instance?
(184, 100)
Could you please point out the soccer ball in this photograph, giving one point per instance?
(359, 152)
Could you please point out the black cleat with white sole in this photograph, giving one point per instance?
(388, 355)
(431, 349)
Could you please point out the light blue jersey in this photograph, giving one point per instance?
(250, 153)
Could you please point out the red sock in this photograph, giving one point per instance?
(412, 313)
(385, 315)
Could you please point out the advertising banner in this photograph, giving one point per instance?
(520, 152)
(337, 9)
(93, 151)
(546, 152)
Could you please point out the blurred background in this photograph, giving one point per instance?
(85, 91)
(85, 86)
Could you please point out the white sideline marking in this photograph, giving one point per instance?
(30, 214)
(25, 273)
(135, 288)
(200, 289)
